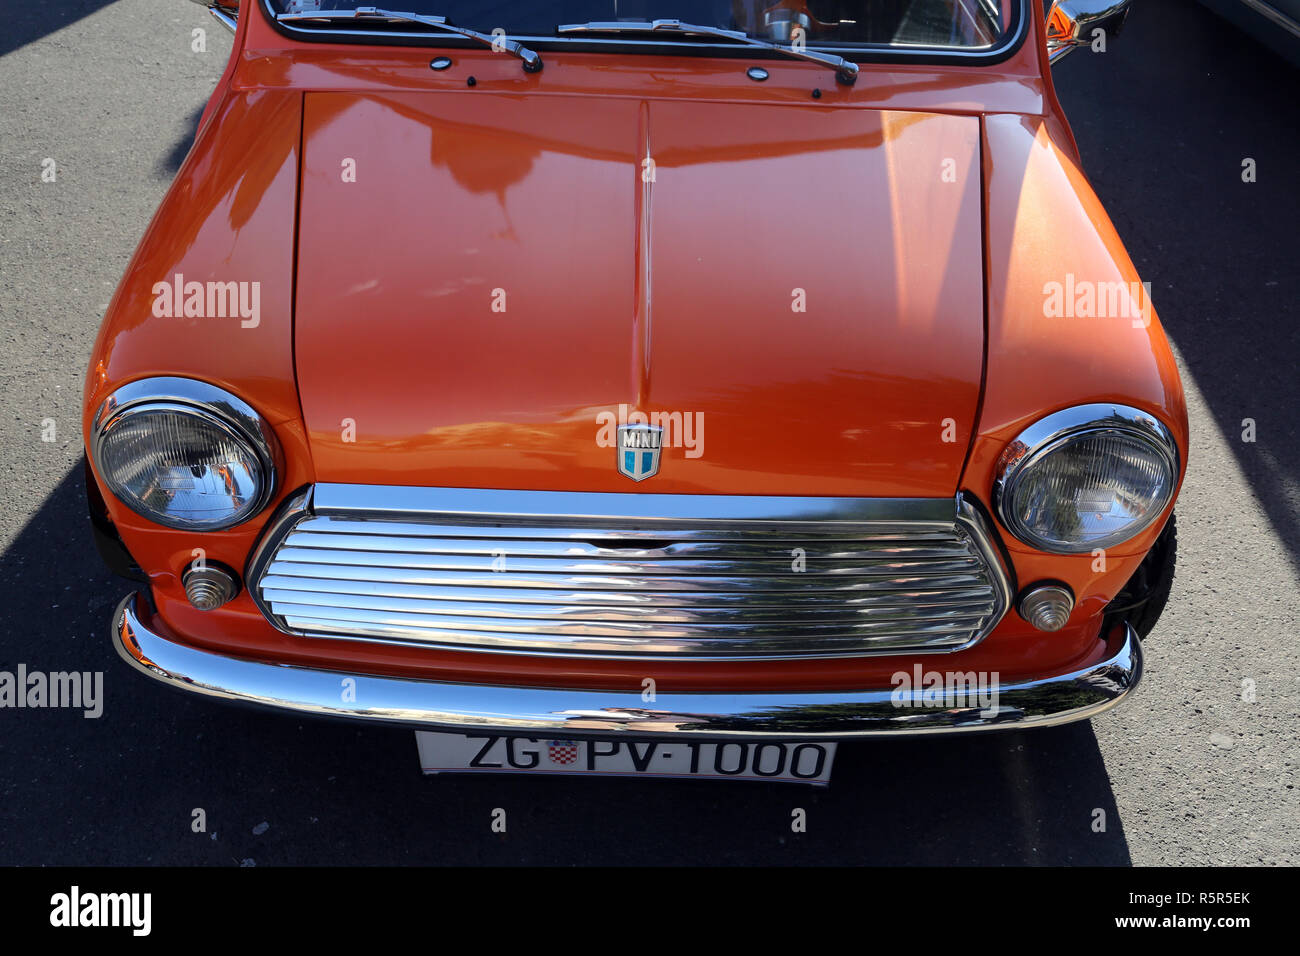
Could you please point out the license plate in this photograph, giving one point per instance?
(788, 761)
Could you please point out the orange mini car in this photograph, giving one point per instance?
(688, 384)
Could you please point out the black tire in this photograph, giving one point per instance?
(1144, 597)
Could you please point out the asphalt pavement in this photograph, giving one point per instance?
(1195, 769)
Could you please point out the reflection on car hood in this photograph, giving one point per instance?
(485, 282)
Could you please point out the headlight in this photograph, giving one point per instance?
(184, 454)
(1087, 477)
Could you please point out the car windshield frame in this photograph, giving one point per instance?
(1006, 46)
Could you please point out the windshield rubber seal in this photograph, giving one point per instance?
(1008, 45)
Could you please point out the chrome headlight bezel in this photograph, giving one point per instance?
(217, 408)
(1059, 429)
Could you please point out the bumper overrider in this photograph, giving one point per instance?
(475, 708)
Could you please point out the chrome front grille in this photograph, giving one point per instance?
(631, 574)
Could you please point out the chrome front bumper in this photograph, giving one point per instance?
(475, 708)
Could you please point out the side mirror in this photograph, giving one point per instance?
(226, 11)
(1073, 23)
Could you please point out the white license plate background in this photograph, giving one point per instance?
(788, 761)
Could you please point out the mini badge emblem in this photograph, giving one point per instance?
(638, 450)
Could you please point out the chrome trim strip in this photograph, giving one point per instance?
(293, 508)
(415, 566)
(224, 17)
(224, 13)
(488, 505)
(981, 532)
(1277, 17)
(473, 708)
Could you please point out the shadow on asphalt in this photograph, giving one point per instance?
(123, 788)
(1164, 122)
(170, 164)
(26, 22)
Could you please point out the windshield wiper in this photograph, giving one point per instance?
(846, 71)
(532, 62)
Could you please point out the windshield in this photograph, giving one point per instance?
(842, 25)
